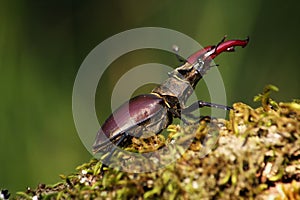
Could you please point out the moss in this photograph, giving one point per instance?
(253, 155)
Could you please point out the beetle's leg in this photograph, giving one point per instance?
(107, 142)
(201, 104)
(195, 119)
(112, 150)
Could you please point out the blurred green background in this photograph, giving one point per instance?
(43, 43)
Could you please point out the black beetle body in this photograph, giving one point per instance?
(151, 113)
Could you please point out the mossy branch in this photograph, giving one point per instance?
(255, 154)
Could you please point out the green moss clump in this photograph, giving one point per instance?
(253, 155)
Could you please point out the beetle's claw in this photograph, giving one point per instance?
(224, 38)
(247, 40)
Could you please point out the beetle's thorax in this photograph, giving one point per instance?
(192, 73)
(179, 86)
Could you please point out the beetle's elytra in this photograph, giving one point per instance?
(154, 112)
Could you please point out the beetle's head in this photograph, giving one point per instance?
(198, 63)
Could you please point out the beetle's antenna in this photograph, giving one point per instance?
(176, 50)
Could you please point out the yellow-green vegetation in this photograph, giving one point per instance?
(253, 155)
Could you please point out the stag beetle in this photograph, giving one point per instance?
(155, 111)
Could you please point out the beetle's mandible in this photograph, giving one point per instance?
(155, 111)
